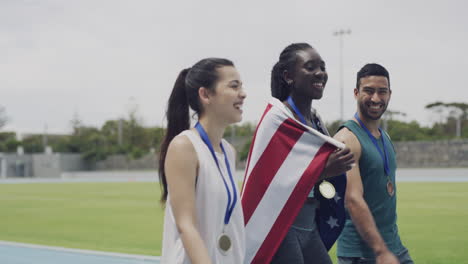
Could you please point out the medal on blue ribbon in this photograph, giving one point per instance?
(383, 154)
(326, 189)
(224, 241)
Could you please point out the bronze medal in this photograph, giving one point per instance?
(390, 188)
(224, 243)
(327, 190)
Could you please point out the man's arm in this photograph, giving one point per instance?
(357, 206)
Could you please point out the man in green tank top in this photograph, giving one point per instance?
(370, 234)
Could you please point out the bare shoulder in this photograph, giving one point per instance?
(349, 138)
(181, 150)
(181, 142)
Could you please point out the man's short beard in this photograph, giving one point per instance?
(363, 108)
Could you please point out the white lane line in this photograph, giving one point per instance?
(81, 251)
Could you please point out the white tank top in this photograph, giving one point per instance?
(210, 202)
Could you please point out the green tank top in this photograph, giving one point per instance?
(381, 204)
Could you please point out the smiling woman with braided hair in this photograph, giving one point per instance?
(298, 78)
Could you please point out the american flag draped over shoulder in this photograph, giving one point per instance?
(285, 161)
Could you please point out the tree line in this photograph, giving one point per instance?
(128, 136)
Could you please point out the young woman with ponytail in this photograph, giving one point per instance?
(203, 219)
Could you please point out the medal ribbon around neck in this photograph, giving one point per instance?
(232, 199)
(296, 110)
(383, 154)
(326, 188)
(315, 121)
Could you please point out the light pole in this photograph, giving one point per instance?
(340, 34)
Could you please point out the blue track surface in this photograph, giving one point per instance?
(17, 253)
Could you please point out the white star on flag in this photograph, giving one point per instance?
(336, 198)
(332, 222)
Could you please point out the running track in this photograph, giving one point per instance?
(20, 253)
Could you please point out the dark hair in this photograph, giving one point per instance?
(287, 60)
(184, 94)
(372, 69)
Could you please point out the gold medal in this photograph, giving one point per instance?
(224, 243)
(327, 190)
(390, 188)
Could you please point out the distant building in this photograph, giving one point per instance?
(41, 165)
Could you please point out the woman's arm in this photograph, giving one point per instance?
(181, 168)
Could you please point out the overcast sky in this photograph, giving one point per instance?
(96, 58)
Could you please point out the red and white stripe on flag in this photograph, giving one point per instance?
(285, 161)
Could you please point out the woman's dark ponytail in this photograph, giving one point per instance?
(279, 87)
(178, 120)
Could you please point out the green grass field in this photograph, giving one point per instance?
(127, 217)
